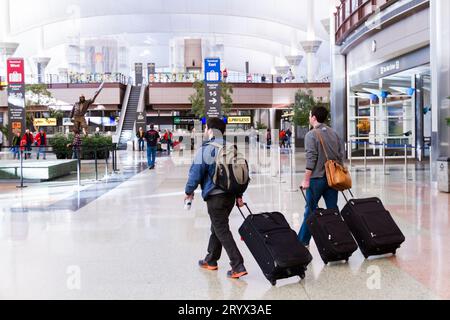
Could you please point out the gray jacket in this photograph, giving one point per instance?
(315, 155)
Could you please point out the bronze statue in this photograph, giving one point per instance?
(80, 109)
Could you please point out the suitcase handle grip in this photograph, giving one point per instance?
(240, 210)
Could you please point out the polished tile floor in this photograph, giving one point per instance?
(129, 237)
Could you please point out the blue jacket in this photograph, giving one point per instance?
(202, 169)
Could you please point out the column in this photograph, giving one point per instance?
(440, 80)
(311, 47)
(294, 62)
(338, 98)
(41, 64)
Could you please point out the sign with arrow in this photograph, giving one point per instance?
(213, 101)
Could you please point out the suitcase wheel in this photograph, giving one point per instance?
(366, 256)
(302, 276)
(273, 282)
(346, 260)
(395, 252)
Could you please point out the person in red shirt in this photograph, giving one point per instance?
(282, 138)
(26, 143)
(168, 136)
(41, 141)
(225, 75)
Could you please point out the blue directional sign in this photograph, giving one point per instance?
(212, 70)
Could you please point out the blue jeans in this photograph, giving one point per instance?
(141, 145)
(319, 188)
(41, 150)
(151, 155)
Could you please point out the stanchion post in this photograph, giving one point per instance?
(350, 152)
(79, 168)
(96, 163)
(21, 170)
(365, 156)
(291, 166)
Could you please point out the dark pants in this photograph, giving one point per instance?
(141, 144)
(318, 188)
(219, 209)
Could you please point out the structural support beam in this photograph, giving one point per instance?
(440, 79)
(311, 47)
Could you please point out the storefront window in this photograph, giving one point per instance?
(382, 115)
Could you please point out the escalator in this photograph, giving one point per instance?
(130, 117)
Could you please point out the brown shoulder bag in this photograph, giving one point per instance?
(338, 176)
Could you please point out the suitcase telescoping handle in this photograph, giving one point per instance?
(304, 197)
(242, 214)
(350, 191)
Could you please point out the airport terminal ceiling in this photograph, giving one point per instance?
(263, 32)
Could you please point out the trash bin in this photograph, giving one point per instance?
(443, 174)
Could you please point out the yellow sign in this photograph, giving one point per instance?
(50, 122)
(239, 120)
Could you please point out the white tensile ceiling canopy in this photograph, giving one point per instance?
(262, 32)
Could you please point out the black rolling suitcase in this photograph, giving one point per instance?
(372, 226)
(331, 234)
(274, 245)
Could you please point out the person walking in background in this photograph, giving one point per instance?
(282, 138)
(1, 140)
(27, 143)
(225, 75)
(269, 138)
(15, 145)
(141, 139)
(76, 144)
(168, 136)
(152, 136)
(315, 181)
(288, 137)
(41, 143)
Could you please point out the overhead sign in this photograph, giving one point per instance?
(240, 120)
(138, 73)
(16, 95)
(45, 122)
(184, 120)
(141, 121)
(212, 70)
(213, 101)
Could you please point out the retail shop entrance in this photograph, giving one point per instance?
(391, 115)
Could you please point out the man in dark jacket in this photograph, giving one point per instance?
(219, 203)
(152, 136)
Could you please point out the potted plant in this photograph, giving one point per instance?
(303, 105)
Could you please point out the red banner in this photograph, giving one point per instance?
(15, 71)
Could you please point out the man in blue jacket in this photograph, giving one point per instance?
(219, 203)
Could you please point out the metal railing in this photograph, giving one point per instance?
(405, 147)
(84, 156)
(233, 77)
(76, 78)
(351, 14)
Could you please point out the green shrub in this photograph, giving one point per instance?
(89, 146)
(59, 145)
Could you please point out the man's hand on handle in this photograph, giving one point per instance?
(240, 202)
